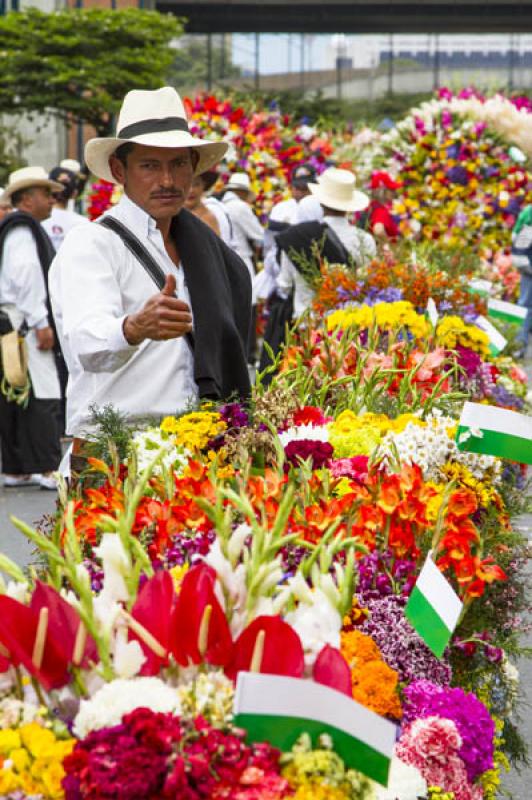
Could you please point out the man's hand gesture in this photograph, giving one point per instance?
(163, 317)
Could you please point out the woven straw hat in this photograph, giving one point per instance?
(335, 188)
(14, 359)
(27, 178)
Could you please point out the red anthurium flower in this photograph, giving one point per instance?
(24, 633)
(200, 631)
(268, 645)
(331, 669)
(153, 614)
(64, 626)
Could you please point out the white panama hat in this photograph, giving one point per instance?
(27, 178)
(71, 164)
(336, 189)
(154, 118)
(240, 181)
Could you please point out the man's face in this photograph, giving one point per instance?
(157, 179)
(38, 202)
(299, 191)
(195, 194)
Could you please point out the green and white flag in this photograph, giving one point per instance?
(278, 709)
(480, 286)
(508, 312)
(433, 608)
(495, 432)
(497, 340)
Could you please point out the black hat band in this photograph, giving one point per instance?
(165, 125)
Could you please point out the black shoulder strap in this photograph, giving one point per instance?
(337, 242)
(135, 246)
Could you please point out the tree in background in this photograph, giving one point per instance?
(190, 68)
(11, 146)
(77, 64)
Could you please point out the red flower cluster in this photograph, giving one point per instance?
(459, 545)
(157, 756)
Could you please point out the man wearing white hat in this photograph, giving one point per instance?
(152, 308)
(336, 192)
(30, 434)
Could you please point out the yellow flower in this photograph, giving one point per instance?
(38, 740)
(177, 574)
(20, 758)
(9, 740)
(9, 781)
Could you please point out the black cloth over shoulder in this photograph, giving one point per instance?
(302, 239)
(46, 253)
(220, 294)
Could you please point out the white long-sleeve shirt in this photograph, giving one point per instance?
(23, 298)
(246, 227)
(360, 245)
(60, 222)
(95, 282)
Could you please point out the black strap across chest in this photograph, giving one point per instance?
(135, 246)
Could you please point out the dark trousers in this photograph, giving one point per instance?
(30, 436)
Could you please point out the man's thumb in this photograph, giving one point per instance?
(169, 286)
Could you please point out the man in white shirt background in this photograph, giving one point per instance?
(248, 233)
(335, 190)
(127, 344)
(62, 219)
(30, 434)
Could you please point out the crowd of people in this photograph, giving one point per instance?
(153, 306)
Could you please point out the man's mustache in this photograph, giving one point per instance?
(168, 193)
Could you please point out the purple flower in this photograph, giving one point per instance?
(471, 717)
(401, 647)
(468, 360)
(234, 415)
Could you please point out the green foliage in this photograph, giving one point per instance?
(330, 112)
(79, 63)
(11, 144)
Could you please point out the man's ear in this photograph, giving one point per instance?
(118, 169)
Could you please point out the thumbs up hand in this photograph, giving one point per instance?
(162, 317)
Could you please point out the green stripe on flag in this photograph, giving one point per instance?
(283, 732)
(494, 443)
(509, 312)
(427, 623)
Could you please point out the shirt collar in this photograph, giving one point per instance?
(138, 219)
(336, 222)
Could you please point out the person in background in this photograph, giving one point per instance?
(282, 215)
(522, 260)
(5, 207)
(380, 221)
(248, 239)
(248, 233)
(343, 242)
(195, 203)
(31, 448)
(216, 207)
(61, 220)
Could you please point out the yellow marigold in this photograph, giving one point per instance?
(9, 782)
(486, 494)
(358, 648)
(375, 686)
(38, 740)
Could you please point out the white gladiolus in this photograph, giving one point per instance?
(116, 565)
(317, 624)
(17, 591)
(120, 697)
(128, 657)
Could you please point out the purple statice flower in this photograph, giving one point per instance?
(401, 647)
(390, 294)
(96, 575)
(502, 397)
(469, 314)
(471, 717)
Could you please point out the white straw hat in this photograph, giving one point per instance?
(239, 180)
(336, 189)
(71, 164)
(27, 178)
(154, 118)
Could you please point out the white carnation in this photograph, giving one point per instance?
(120, 697)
